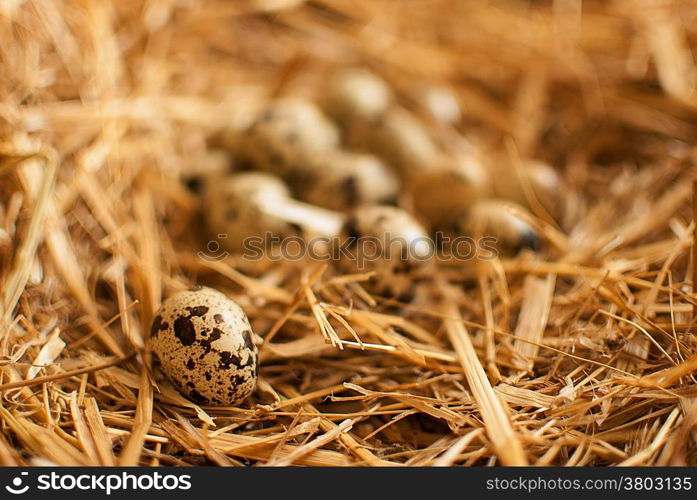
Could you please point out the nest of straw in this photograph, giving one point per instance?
(582, 354)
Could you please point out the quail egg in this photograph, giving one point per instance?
(205, 345)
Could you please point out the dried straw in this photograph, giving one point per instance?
(581, 354)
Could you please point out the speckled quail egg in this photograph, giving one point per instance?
(284, 133)
(450, 185)
(204, 344)
(357, 93)
(440, 102)
(389, 242)
(541, 180)
(256, 204)
(497, 218)
(233, 207)
(399, 138)
(342, 180)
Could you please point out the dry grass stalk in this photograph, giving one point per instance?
(532, 322)
(496, 418)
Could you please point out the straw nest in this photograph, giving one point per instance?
(581, 354)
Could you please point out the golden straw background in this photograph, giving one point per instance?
(581, 355)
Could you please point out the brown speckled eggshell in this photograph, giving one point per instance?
(205, 345)
(393, 274)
